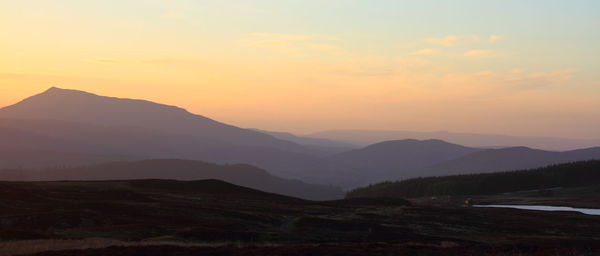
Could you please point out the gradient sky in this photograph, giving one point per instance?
(512, 67)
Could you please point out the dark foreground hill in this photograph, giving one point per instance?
(579, 174)
(154, 217)
(240, 174)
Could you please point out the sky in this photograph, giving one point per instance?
(494, 66)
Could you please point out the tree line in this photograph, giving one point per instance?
(584, 173)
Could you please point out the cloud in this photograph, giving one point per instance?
(515, 82)
(450, 41)
(453, 40)
(327, 48)
(482, 53)
(105, 60)
(427, 51)
(294, 44)
(280, 37)
(494, 38)
(172, 15)
(517, 71)
(485, 73)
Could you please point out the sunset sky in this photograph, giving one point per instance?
(511, 67)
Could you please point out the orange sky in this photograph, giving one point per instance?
(306, 66)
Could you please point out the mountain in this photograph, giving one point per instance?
(505, 159)
(84, 107)
(239, 174)
(381, 161)
(121, 129)
(322, 147)
(367, 137)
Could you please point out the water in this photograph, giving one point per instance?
(545, 208)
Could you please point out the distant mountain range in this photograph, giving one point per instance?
(239, 174)
(387, 160)
(67, 128)
(321, 147)
(368, 137)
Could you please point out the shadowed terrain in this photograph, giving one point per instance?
(155, 212)
(578, 179)
(240, 174)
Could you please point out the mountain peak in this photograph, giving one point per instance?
(62, 91)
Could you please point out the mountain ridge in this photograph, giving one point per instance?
(367, 137)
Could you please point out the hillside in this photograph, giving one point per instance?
(505, 159)
(38, 143)
(240, 174)
(385, 160)
(578, 174)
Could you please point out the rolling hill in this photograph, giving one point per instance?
(239, 174)
(387, 159)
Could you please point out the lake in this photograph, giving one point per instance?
(545, 208)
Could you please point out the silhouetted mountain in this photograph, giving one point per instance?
(141, 130)
(367, 137)
(506, 159)
(83, 107)
(240, 174)
(319, 146)
(384, 160)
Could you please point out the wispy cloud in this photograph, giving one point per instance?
(427, 51)
(482, 53)
(172, 15)
(105, 60)
(494, 38)
(456, 40)
(540, 79)
(450, 41)
(293, 44)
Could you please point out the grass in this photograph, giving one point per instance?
(26, 247)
